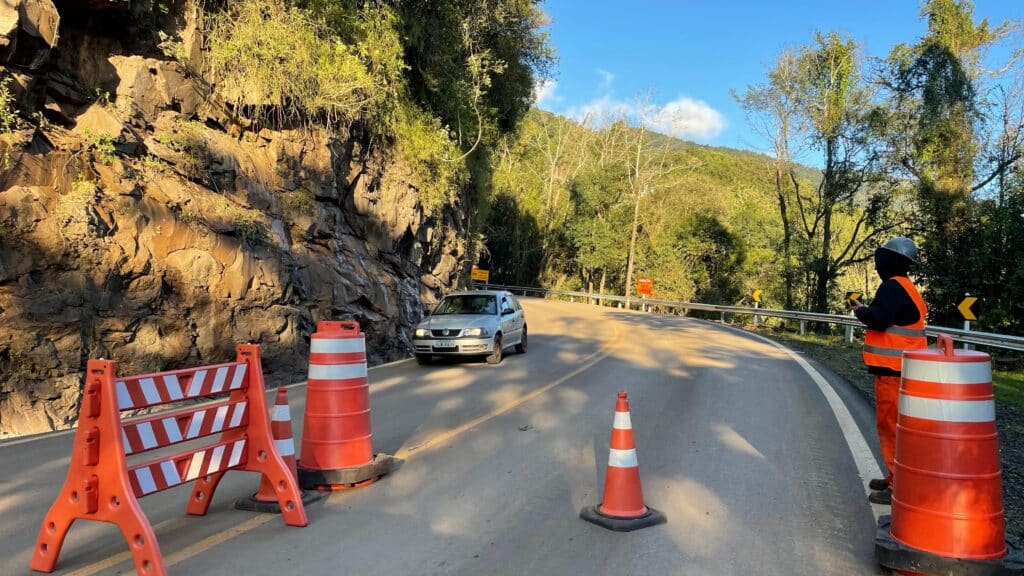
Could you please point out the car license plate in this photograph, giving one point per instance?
(447, 344)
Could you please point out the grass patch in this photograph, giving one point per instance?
(248, 223)
(8, 113)
(845, 359)
(299, 201)
(279, 63)
(72, 207)
(1010, 389)
(188, 143)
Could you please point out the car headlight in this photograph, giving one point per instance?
(422, 333)
(475, 332)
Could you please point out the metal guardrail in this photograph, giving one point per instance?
(990, 339)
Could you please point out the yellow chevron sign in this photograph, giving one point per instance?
(851, 296)
(965, 308)
(757, 295)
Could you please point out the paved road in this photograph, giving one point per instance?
(737, 445)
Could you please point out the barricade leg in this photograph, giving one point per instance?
(51, 539)
(141, 540)
(202, 494)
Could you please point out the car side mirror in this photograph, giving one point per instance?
(507, 311)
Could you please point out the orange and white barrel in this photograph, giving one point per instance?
(336, 432)
(947, 486)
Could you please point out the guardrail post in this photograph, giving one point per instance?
(723, 317)
(803, 327)
(849, 334)
(967, 328)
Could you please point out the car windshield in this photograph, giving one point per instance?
(467, 304)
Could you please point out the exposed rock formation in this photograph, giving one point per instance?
(137, 228)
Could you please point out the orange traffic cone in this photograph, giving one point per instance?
(281, 429)
(623, 508)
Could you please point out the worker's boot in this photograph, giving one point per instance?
(880, 483)
(883, 497)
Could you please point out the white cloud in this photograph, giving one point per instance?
(545, 92)
(688, 118)
(606, 80)
(683, 117)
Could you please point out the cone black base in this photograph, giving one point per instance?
(381, 465)
(896, 556)
(593, 515)
(251, 504)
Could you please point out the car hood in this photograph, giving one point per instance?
(457, 321)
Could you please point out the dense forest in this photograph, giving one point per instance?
(925, 142)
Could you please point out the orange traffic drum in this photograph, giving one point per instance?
(947, 485)
(336, 429)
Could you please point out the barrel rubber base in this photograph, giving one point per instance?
(251, 504)
(897, 556)
(346, 478)
(593, 515)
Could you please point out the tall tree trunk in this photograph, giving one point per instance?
(600, 290)
(632, 248)
(787, 238)
(824, 267)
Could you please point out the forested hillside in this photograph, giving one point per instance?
(925, 142)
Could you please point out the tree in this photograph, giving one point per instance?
(935, 118)
(772, 110)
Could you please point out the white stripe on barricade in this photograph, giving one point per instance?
(337, 345)
(337, 371)
(966, 411)
(947, 372)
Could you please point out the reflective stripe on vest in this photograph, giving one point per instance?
(884, 348)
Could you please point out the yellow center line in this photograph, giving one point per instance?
(607, 347)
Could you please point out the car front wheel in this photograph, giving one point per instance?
(495, 356)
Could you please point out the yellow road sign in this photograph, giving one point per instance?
(965, 308)
(757, 295)
(479, 275)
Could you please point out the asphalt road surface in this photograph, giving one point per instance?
(738, 445)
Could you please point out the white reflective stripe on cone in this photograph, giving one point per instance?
(337, 345)
(622, 421)
(281, 413)
(622, 458)
(337, 371)
(947, 372)
(285, 447)
(948, 410)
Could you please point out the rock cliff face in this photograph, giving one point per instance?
(137, 224)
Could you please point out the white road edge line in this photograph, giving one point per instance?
(863, 457)
(45, 435)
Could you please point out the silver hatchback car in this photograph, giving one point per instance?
(478, 322)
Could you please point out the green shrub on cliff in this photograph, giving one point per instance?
(422, 143)
(8, 113)
(281, 64)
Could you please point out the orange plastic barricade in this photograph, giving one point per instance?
(337, 439)
(102, 486)
(947, 507)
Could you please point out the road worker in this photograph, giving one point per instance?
(895, 322)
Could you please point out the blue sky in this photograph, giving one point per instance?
(690, 53)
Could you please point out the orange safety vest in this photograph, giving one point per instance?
(884, 348)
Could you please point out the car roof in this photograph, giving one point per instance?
(478, 293)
